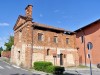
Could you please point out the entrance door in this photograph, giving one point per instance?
(61, 59)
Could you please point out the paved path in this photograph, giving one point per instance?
(7, 69)
(84, 71)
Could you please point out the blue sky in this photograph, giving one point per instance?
(67, 14)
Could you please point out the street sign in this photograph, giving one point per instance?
(90, 46)
(89, 56)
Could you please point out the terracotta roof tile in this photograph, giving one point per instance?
(47, 26)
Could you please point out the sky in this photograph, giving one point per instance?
(66, 14)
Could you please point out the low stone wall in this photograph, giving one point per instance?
(6, 54)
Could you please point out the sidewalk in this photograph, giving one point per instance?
(82, 71)
(75, 68)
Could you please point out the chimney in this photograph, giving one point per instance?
(28, 10)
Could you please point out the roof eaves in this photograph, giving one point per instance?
(47, 26)
(86, 26)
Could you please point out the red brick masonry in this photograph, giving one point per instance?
(6, 54)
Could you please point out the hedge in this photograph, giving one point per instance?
(58, 70)
(55, 69)
(41, 65)
(48, 67)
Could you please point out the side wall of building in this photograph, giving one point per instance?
(22, 50)
(90, 34)
(40, 48)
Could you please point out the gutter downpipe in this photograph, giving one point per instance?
(32, 46)
(84, 45)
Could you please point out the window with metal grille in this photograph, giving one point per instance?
(67, 40)
(40, 37)
(55, 39)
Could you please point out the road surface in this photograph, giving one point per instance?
(7, 69)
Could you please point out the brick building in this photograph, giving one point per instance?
(85, 35)
(39, 42)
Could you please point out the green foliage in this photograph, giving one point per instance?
(1, 49)
(48, 67)
(55, 70)
(41, 65)
(9, 43)
(58, 70)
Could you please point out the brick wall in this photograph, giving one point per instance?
(68, 50)
(48, 37)
(6, 54)
(91, 34)
(27, 47)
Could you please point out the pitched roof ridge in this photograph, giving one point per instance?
(49, 26)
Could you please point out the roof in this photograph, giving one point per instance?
(47, 26)
(87, 25)
(23, 17)
(42, 25)
(51, 27)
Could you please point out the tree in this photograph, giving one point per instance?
(9, 43)
(1, 49)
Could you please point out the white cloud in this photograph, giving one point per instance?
(4, 24)
(41, 15)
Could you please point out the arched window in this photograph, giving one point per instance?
(48, 51)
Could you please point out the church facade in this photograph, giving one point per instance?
(39, 42)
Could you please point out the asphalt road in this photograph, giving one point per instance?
(7, 69)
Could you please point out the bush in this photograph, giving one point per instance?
(58, 70)
(55, 69)
(48, 67)
(41, 65)
(98, 65)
